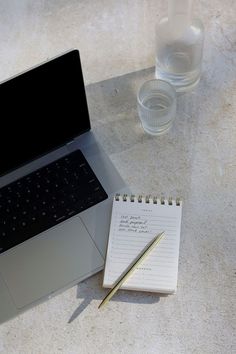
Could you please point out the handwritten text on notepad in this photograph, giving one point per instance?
(129, 223)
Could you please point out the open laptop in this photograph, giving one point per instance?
(57, 185)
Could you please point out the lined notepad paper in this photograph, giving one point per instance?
(134, 223)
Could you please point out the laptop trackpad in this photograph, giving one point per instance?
(49, 262)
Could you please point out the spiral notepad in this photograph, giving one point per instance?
(135, 221)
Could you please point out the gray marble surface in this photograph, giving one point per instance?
(196, 160)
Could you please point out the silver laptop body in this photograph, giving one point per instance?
(69, 252)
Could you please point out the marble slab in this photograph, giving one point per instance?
(195, 160)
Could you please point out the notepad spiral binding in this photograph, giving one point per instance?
(148, 199)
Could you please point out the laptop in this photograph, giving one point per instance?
(56, 186)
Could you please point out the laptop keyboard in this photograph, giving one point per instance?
(47, 197)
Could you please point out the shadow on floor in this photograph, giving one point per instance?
(91, 289)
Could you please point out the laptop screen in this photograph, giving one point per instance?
(41, 110)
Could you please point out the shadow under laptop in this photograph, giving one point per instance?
(91, 289)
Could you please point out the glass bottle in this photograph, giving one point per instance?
(179, 45)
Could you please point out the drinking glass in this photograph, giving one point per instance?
(156, 106)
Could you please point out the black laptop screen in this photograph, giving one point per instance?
(41, 110)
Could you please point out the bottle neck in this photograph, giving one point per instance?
(179, 14)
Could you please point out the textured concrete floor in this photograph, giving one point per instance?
(115, 37)
(196, 159)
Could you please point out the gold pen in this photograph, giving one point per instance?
(147, 249)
